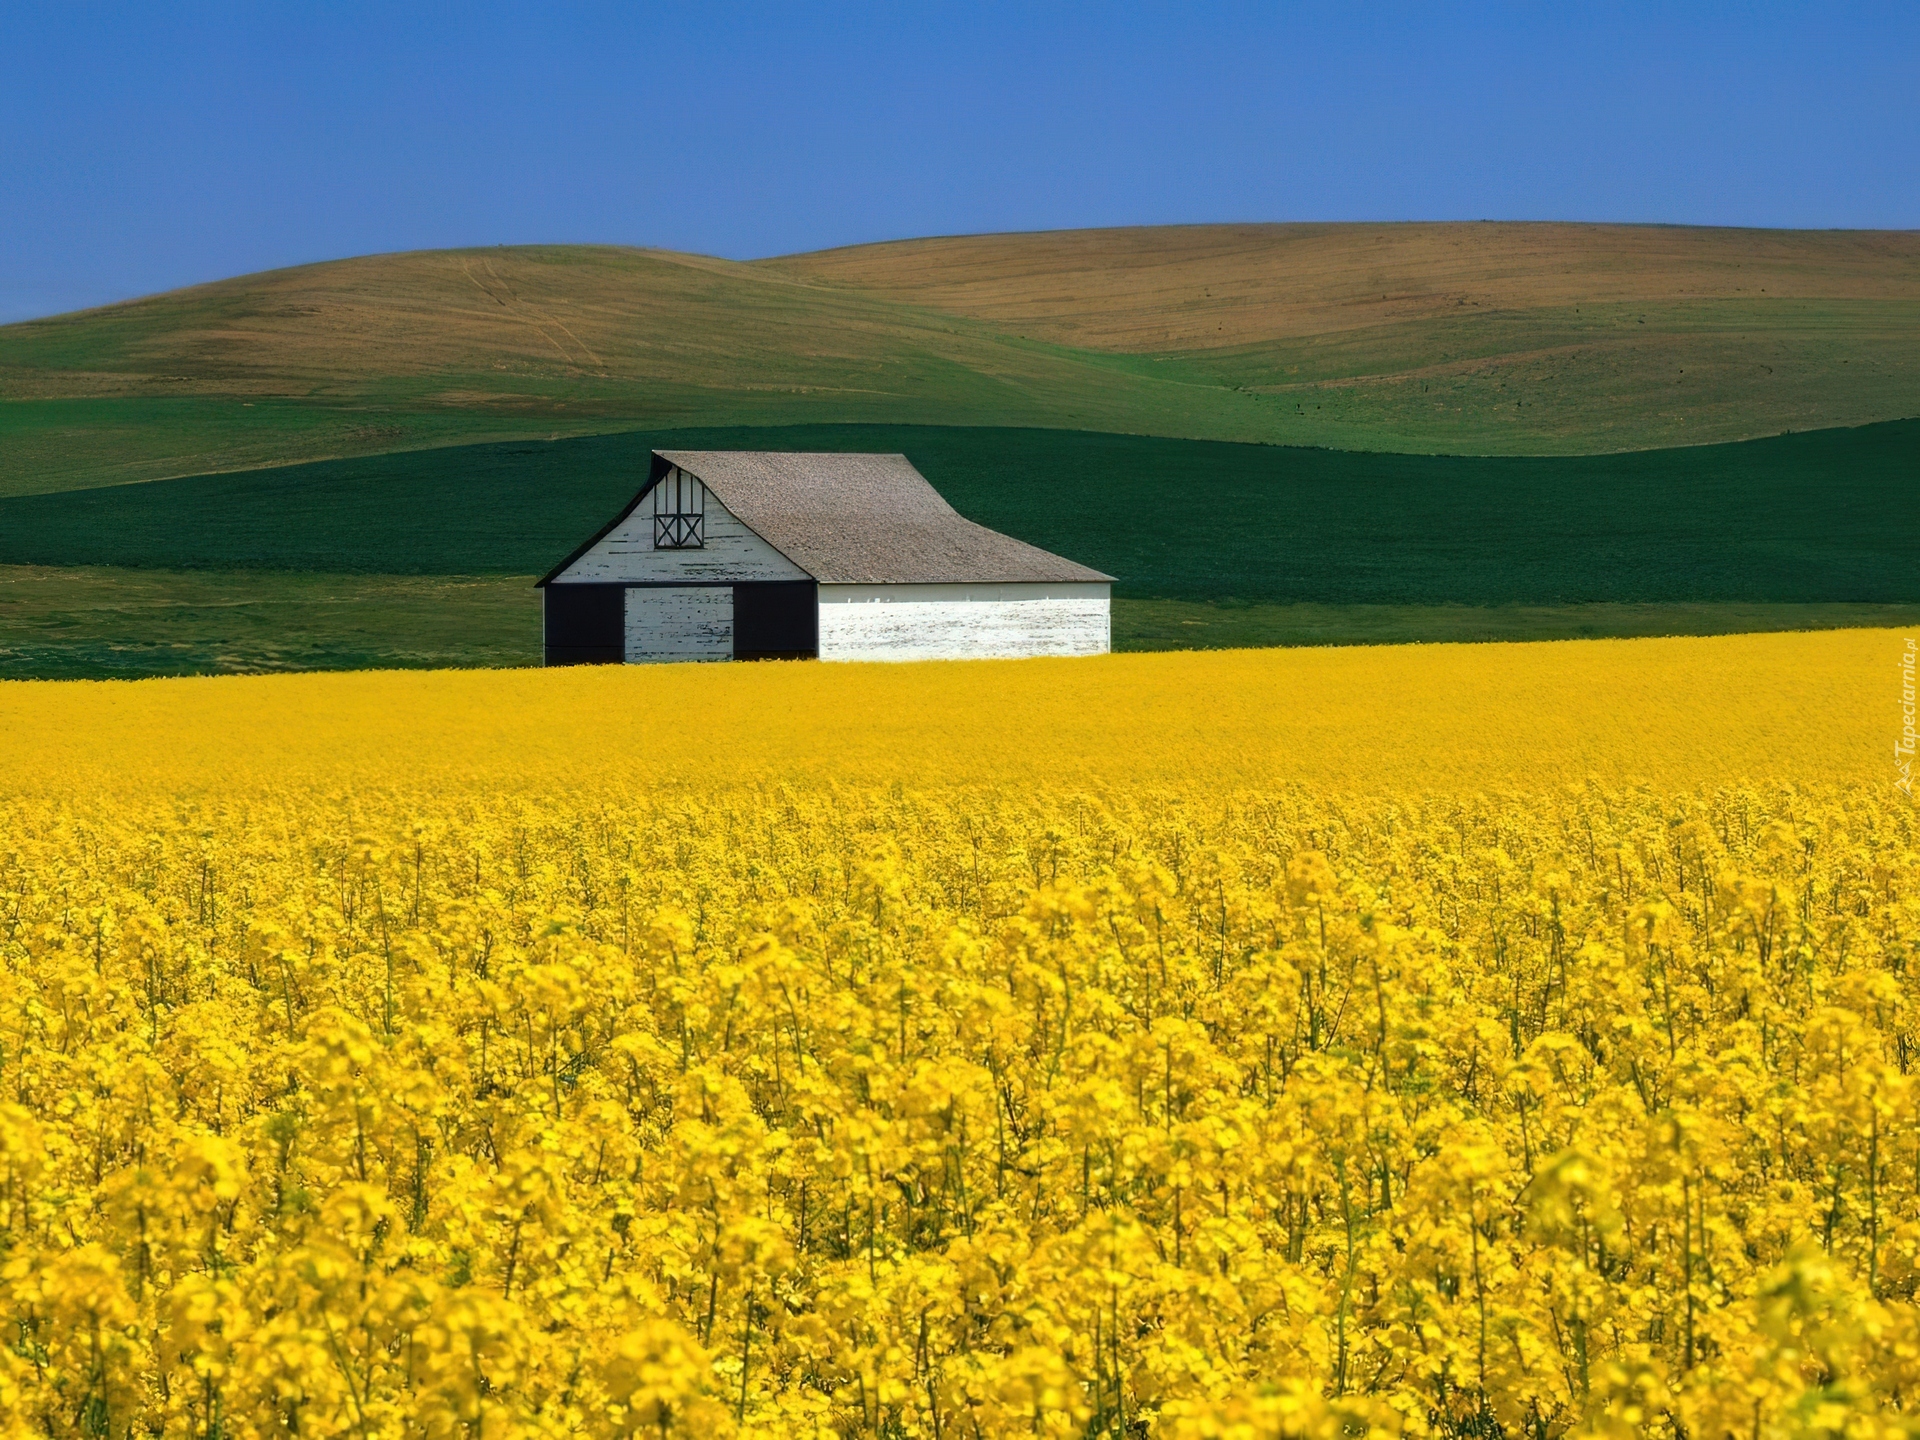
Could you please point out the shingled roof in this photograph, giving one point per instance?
(863, 519)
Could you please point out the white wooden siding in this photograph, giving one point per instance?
(732, 552)
(679, 622)
(963, 622)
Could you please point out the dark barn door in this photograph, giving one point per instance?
(776, 620)
(586, 624)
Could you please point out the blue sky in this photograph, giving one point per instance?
(143, 147)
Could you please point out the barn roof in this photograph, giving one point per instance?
(851, 518)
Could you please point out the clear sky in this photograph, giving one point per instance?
(148, 146)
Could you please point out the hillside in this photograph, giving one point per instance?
(396, 352)
(1203, 288)
(1488, 339)
(1797, 518)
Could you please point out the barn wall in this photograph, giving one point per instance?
(962, 622)
(732, 552)
(679, 622)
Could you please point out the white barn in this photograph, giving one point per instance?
(745, 554)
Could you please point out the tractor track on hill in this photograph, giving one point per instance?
(533, 317)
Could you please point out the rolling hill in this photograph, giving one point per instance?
(1469, 339)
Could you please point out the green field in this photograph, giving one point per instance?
(96, 622)
(51, 445)
(427, 558)
(1228, 625)
(1803, 519)
(1465, 339)
(92, 622)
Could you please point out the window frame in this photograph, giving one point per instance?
(680, 512)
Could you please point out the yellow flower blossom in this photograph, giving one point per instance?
(397, 1104)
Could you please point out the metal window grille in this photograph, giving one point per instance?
(679, 513)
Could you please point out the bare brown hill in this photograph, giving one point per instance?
(1205, 287)
(1488, 338)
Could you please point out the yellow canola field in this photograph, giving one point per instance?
(1400, 719)
(1440, 1041)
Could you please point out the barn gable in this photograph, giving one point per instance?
(676, 530)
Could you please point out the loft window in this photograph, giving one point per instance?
(679, 512)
